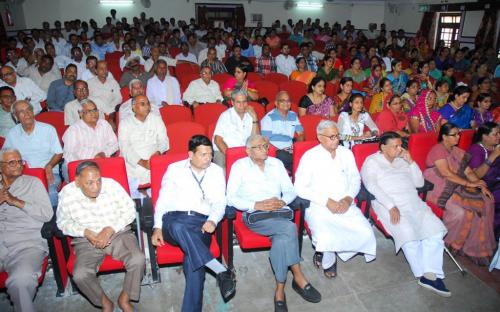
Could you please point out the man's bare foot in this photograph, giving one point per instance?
(107, 305)
(124, 302)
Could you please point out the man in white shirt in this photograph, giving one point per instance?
(211, 44)
(392, 177)
(285, 62)
(72, 108)
(24, 88)
(162, 88)
(77, 59)
(155, 55)
(327, 176)
(192, 202)
(20, 65)
(260, 187)
(105, 89)
(136, 88)
(140, 137)
(88, 138)
(203, 90)
(97, 213)
(42, 74)
(185, 55)
(234, 126)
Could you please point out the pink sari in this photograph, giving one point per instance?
(428, 119)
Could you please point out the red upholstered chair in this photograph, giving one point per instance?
(56, 119)
(267, 90)
(260, 110)
(125, 92)
(180, 133)
(210, 131)
(183, 69)
(277, 78)
(185, 80)
(466, 139)
(310, 122)
(169, 254)
(173, 51)
(208, 113)
(175, 113)
(221, 79)
(419, 146)
(299, 148)
(331, 89)
(113, 168)
(254, 77)
(295, 89)
(253, 60)
(56, 252)
(2, 141)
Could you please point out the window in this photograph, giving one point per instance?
(449, 27)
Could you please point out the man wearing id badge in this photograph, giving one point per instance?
(259, 185)
(192, 201)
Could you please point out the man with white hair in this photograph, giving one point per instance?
(24, 208)
(38, 144)
(327, 176)
(72, 108)
(24, 88)
(136, 88)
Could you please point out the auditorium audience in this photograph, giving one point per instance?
(203, 90)
(316, 102)
(136, 88)
(7, 99)
(482, 112)
(24, 88)
(163, 89)
(458, 111)
(240, 81)
(352, 123)
(301, 73)
(393, 118)
(424, 117)
(61, 91)
(380, 100)
(105, 89)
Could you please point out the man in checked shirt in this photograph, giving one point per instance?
(97, 213)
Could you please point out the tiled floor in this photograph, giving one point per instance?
(383, 285)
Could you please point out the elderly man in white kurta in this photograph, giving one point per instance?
(105, 89)
(392, 177)
(203, 90)
(163, 89)
(327, 176)
(136, 88)
(140, 137)
(24, 88)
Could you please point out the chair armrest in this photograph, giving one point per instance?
(230, 212)
(428, 186)
(146, 213)
(364, 195)
(47, 230)
(299, 203)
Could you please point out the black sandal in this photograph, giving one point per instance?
(331, 272)
(317, 259)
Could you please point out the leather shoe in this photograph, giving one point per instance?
(227, 284)
(280, 306)
(309, 293)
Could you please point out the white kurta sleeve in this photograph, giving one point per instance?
(369, 172)
(190, 93)
(353, 174)
(37, 96)
(117, 95)
(416, 175)
(304, 182)
(126, 145)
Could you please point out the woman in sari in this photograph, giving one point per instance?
(409, 98)
(316, 102)
(380, 100)
(467, 202)
(302, 74)
(393, 118)
(482, 112)
(240, 82)
(327, 71)
(398, 77)
(486, 163)
(341, 99)
(423, 117)
(356, 71)
(424, 78)
(457, 111)
(373, 82)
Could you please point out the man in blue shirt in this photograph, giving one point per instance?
(38, 144)
(280, 126)
(61, 90)
(100, 47)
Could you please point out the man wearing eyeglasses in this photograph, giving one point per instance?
(7, 98)
(88, 138)
(327, 176)
(72, 108)
(203, 90)
(38, 143)
(24, 208)
(24, 88)
(260, 187)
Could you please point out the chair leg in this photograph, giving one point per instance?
(301, 228)
(462, 270)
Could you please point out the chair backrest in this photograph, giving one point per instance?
(182, 69)
(208, 113)
(361, 151)
(299, 148)
(159, 165)
(310, 122)
(254, 77)
(113, 168)
(331, 89)
(295, 89)
(180, 133)
(221, 79)
(211, 130)
(38, 173)
(260, 110)
(173, 51)
(277, 78)
(175, 113)
(2, 141)
(466, 139)
(185, 80)
(235, 153)
(56, 119)
(419, 146)
(125, 92)
(267, 90)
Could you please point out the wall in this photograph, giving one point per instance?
(17, 14)
(37, 11)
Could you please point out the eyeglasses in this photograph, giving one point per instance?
(332, 137)
(264, 147)
(14, 163)
(95, 110)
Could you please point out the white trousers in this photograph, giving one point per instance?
(425, 256)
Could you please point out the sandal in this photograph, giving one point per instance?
(331, 272)
(317, 259)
